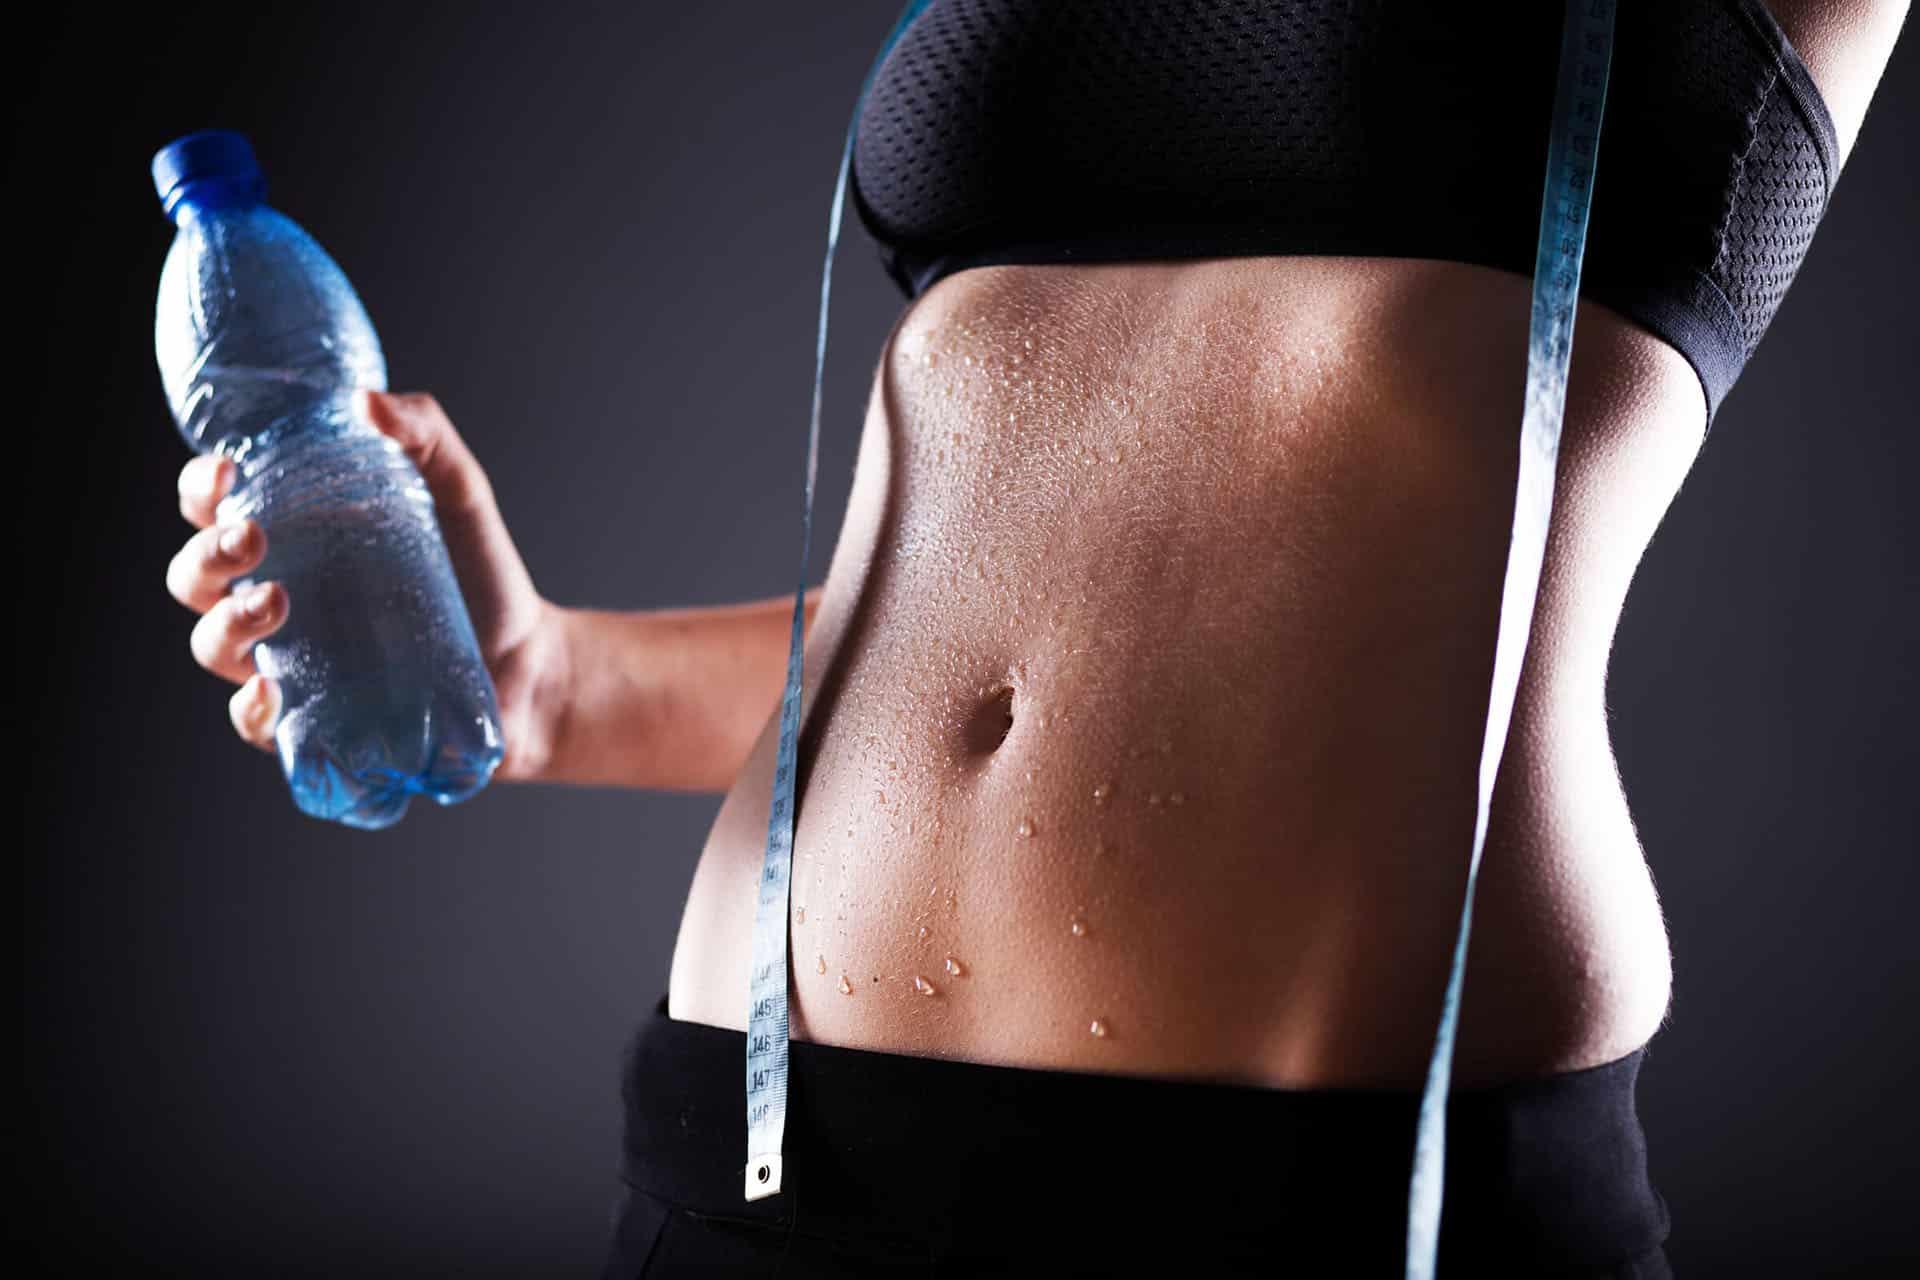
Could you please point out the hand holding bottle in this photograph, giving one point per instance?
(352, 570)
(517, 629)
(264, 349)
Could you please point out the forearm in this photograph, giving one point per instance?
(670, 699)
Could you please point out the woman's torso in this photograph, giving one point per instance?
(1224, 540)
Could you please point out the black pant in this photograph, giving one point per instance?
(946, 1168)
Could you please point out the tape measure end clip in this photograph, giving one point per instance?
(763, 1176)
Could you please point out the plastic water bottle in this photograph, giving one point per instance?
(261, 343)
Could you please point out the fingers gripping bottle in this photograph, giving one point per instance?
(261, 343)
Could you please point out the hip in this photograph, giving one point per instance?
(959, 1169)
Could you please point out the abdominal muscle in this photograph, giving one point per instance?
(1144, 703)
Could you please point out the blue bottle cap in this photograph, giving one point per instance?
(220, 159)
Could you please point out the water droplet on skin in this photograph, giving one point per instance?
(1154, 799)
(846, 988)
(1098, 1030)
(1079, 927)
(820, 964)
(955, 968)
(799, 915)
(1026, 827)
(1101, 792)
(923, 932)
(924, 987)
(1178, 797)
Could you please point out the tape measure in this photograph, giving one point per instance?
(1586, 49)
(1573, 145)
(767, 980)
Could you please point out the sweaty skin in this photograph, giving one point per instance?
(1145, 698)
(1149, 676)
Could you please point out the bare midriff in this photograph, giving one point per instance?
(1145, 698)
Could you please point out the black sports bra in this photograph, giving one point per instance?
(1026, 131)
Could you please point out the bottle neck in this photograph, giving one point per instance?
(207, 195)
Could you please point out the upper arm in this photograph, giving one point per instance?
(1845, 44)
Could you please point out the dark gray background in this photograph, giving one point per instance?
(254, 1041)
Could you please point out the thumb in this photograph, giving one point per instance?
(499, 592)
(416, 422)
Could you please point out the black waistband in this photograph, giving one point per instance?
(955, 1159)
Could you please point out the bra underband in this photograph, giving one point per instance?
(1003, 131)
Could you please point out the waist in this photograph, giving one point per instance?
(910, 1157)
(1148, 682)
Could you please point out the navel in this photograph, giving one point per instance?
(991, 721)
